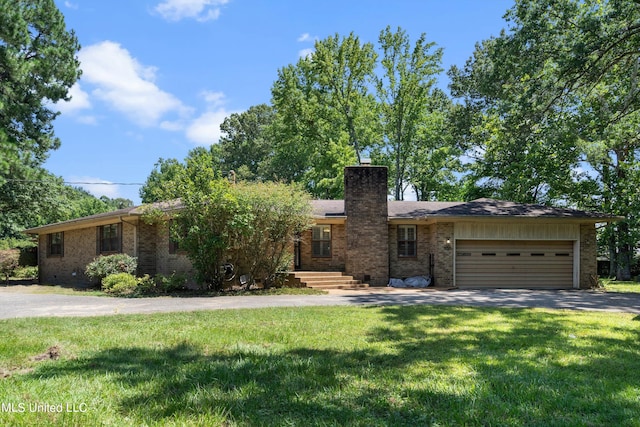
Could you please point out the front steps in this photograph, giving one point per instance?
(326, 280)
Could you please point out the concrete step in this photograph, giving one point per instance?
(339, 286)
(326, 280)
(318, 274)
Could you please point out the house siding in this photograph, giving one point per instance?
(443, 253)
(400, 267)
(588, 255)
(80, 249)
(336, 262)
(168, 263)
(147, 248)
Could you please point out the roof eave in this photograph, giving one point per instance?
(517, 218)
(79, 223)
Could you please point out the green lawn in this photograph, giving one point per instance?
(70, 290)
(615, 286)
(375, 366)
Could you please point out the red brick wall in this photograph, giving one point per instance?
(367, 231)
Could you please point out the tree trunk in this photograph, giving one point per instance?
(623, 271)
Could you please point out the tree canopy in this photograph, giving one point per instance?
(553, 107)
(38, 65)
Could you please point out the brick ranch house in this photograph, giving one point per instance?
(482, 243)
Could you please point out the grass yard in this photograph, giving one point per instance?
(34, 288)
(377, 366)
(615, 286)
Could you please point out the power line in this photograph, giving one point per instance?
(41, 181)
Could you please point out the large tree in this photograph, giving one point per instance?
(324, 105)
(245, 144)
(434, 165)
(404, 91)
(38, 65)
(556, 101)
(158, 184)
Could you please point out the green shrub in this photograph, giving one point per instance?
(25, 272)
(13, 243)
(124, 284)
(8, 262)
(172, 283)
(104, 266)
(146, 284)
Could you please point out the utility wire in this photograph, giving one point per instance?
(41, 181)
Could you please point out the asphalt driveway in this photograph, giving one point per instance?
(15, 304)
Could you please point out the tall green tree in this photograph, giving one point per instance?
(324, 104)
(245, 145)
(38, 65)
(344, 68)
(48, 200)
(407, 83)
(522, 150)
(162, 182)
(556, 91)
(434, 165)
(164, 173)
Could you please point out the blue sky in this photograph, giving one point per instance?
(159, 76)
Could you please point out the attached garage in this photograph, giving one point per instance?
(514, 263)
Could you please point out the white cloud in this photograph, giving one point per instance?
(126, 85)
(205, 129)
(172, 126)
(70, 5)
(88, 120)
(200, 10)
(306, 37)
(79, 101)
(96, 186)
(306, 53)
(214, 99)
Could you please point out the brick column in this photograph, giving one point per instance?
(367, 230)
(443, 262)
(588, 255)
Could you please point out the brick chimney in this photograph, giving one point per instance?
(365, 203)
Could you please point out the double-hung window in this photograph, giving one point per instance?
(55, 244)
(321, 241)
(110, 238)
(407, 241)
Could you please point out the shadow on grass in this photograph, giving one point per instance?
(420, 366)
(532, 367)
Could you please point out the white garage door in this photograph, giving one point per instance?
(514, 264)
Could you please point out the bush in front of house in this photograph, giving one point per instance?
(8, 262)
(121, 284)
(250, 225)
(171, 283)
(25, 272)
(106, 265)
(126, 284)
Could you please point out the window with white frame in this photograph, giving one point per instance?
(407, 241)
(321, 241)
